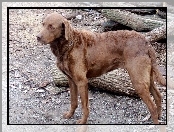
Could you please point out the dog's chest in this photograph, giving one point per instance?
(63, 66)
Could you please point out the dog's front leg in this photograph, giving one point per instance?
(74, 99)
(82, 87)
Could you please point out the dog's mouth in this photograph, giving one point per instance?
(41, 42)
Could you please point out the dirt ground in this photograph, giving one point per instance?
(29, 67)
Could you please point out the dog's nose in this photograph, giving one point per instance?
(38, 37)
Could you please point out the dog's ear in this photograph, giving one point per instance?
(67, 29)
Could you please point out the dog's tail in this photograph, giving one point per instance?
(156, 74)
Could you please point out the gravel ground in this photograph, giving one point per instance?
(29, 68)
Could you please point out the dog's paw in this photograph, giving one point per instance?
(67, 115)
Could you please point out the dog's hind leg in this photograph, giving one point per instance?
(156, 94)
(139, 69)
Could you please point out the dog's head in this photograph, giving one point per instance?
(54, 26)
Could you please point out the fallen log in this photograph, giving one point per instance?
(156, 34)
(116, 81)
(136, 22)
(113, 26)
(142, 11)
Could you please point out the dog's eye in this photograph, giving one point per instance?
(51, 27)
(43, 24)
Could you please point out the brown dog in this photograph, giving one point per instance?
(83, 54)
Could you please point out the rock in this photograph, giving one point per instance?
(40, 90)
(79, 17)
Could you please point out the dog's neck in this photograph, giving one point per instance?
(60, 47)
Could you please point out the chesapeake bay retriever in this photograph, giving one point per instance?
(84, 54)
